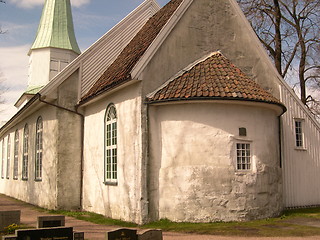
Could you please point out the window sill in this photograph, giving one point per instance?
(243, 172)
(300, 148)
(38, 180)
(111, 183)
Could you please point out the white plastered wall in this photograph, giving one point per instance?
(192, 174)
(121, 201)
(40, 193)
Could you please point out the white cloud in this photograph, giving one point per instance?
(79, 3)
(14, 72)
(34, 3)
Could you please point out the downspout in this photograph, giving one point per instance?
(81, 135)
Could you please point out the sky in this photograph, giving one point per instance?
(19, 20)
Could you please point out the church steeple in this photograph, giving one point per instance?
(55, 45)
(56, 27)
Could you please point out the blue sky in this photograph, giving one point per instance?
(20, 19)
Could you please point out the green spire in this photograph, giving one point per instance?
(56, 27)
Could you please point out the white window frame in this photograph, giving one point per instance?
(16, 155)
(110, 146)
(2, 159)
(299, 134)
(244, 161)
(8, 156)
(25, 157)
(39, 149)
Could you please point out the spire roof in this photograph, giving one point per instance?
(56, 27)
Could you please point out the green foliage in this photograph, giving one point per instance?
(11, 228)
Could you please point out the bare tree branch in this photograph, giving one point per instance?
(290, 32)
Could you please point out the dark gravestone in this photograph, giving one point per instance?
(51, 221)
(78, 235)
(9, 217)
(122, 234)
(62, 233)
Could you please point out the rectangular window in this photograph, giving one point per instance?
(299, 133)
(243, 156)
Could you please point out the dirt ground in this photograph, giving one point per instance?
(93, 231)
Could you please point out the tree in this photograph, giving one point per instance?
(1, 32)
(290, 31)
(2, 90)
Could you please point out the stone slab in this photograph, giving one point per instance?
(51, 221)
(152, 234)
(122, 234)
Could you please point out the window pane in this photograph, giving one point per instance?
(38, 162)
(243, 156)
(111, 144)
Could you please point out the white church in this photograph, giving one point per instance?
(174, 113)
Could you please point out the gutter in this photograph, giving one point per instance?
(28, 104)
(82, 139)
(279, 104)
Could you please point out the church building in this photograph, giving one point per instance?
(176, 112)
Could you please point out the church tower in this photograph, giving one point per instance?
(55, 45)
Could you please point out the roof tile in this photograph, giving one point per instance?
(215, 77)
(119, 71)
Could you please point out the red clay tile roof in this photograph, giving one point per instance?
(213, 78)
(119, 70)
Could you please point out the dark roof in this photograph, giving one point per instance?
(119, 70)
(213, 78)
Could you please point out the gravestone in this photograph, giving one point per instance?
(78, 235)
(9, 217)
(122, 234)
(55, 233)
(51, 221)
(150, 235)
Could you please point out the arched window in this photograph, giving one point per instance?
(8, 157)
(25, 152)
(38, 166)
(110, 145)
(2, 160)
(16, 155)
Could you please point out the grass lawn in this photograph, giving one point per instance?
(298, 222)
